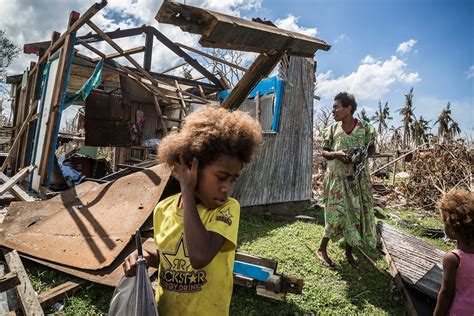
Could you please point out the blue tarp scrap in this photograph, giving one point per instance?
(267, 86)
(87, 87)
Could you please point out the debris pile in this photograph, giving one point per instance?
(435, 172)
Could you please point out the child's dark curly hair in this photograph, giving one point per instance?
(457, 212)
(210, 132)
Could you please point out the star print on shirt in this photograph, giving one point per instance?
(225, 216)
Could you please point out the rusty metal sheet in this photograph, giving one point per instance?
(93, 232)
(107, 120)
(110, 275)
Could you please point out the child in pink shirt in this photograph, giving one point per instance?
(456, 296)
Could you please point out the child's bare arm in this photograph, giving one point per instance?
(202, 245)
(448, 284)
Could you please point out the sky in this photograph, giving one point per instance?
(380, 48)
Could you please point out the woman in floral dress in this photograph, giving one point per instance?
(348, 209)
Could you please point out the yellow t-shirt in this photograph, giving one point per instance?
(183, 290)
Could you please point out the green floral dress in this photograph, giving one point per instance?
(349, 211)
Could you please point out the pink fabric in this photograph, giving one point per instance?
(463, 303)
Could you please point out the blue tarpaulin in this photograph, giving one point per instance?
(267, 86)
(86, 89)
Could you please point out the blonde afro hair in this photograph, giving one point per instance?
(210, 132)
(457, 212)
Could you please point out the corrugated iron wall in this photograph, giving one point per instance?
(282, 171)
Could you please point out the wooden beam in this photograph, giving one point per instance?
(178, 51)
(259, 69)
(92, 49)
(212, 57)
(174, 67)
(59, 292)
(160, 115)
(28, 299)
(9, 281)
(148, 51)
(130, 51)
(182, 103)
(96, 7)
(145, 73)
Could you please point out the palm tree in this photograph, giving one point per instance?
(454, 130)
(447, 131)
(407, 117)
(363, 116)
(396, 138)
(420, 131)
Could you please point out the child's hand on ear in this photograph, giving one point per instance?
(187, 175)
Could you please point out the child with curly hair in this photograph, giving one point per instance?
(456, 296)
(196, 230)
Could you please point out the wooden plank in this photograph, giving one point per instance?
(148, 48)
(15, 179)
(60, 292)
(178, 51)
(9, 281)
(16, 190)
(92, 49)
(130, 51)
(212, 57)
(27, 295)
(272, 264)
(174, 67)
(410, 308)
(259, 69)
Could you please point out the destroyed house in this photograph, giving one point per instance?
(129, 107)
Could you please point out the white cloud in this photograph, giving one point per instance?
(369, 60)
(290, 24)
(27, 21)
(405, 47)
(470, 72)
(340, 38)
(370, 80)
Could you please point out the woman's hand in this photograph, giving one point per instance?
(341, 156)
(186, 175)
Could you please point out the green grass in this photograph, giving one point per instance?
(340, 291)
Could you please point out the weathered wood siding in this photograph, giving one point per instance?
(281, 172)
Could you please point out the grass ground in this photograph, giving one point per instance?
(340, 291)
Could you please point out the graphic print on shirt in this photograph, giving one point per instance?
(225, 216)
(177, 274)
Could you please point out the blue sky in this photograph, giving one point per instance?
(442, 55)
(380, 48)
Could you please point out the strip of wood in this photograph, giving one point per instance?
(8, 281)
(28, 299)
(15, 179)
(60, 292)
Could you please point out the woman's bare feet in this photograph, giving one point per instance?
(323, 257)
(351, 260)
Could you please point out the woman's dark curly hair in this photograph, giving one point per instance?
(210, 132)
(457, 212)
(347, 99)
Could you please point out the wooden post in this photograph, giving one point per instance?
(159, 114)
(58, 92)
(182, 103)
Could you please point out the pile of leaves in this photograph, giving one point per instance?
(433, 173)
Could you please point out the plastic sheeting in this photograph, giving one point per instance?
(134, 295)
